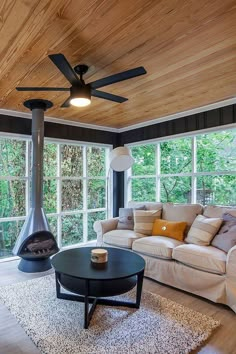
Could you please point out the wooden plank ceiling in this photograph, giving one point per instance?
(188, 48)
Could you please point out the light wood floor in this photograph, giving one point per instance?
(13, 339)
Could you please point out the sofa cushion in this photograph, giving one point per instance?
(148, 205)
(144, 220)
(209, 259)
(172, 229)
(181, 212)
(122, 238)
(226, 237)
(215, 211)
(160, 247)
(203, 230)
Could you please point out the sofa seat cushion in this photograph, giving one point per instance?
(156, 246)
(122, 238)
(207, 258)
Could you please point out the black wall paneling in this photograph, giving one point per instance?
(209, 119)
(16, 125)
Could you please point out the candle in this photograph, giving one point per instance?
(99, 255)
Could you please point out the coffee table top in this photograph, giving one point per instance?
(77, 263)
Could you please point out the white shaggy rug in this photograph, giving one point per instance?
(56, 326)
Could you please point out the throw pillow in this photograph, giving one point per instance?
(226, 237)
(172, 229)
(144, 220)
(203, 230)
(126, 218)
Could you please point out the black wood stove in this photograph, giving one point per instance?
(36, 243)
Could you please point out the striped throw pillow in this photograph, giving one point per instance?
(203, 230)
(144, 220)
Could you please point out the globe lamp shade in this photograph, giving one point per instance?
(120, 159)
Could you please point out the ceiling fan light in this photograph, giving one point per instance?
(80, 96)
(80, 101)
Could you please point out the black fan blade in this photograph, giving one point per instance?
(63, 65)
(42, 89)
(125, 75)
(66, 103)
(108, 96)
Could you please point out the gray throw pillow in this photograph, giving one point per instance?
(226, 237)
(126, 218)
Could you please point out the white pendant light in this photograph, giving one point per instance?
(120, 159)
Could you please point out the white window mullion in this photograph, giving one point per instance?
(108, 191)
(59, 198)
(27, 174)
(85, 195)
(158, 172)
(194, 170)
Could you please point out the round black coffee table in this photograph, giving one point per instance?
(92, 282)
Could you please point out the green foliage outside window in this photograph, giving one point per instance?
(145, 160)
(9, 230)
(96, 163)
(72, 229)
(216, 152)
(144, 189)
(92, 217)
(72, 161)
(176, 156)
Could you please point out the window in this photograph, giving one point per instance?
(74, 187)
(201, 168)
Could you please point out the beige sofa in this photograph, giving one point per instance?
(202, 270)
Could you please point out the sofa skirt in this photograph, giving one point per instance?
(211, 286)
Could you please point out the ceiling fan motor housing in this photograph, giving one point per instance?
(80, 91)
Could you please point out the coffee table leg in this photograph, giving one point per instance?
(86, 304)
(58, 287)
(139, 288)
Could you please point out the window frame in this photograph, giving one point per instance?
(108, 178)
(193, 175)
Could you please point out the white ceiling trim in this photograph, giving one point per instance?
(209, 107)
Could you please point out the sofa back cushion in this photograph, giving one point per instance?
(148, 205)
(181, 212)
(144, 220)
(172, 229)
(215, 211)
(226, 237)
(203, 230)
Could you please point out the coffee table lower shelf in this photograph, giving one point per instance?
(93, 292)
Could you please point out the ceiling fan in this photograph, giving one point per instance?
(80, 92)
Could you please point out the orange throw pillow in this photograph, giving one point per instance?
(170, 229)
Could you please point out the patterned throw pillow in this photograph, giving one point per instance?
(226, 237)
(144, 220)
(126, 218)
(203, 230)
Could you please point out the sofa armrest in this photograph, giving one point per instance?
(231, 262)
(103, 226)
